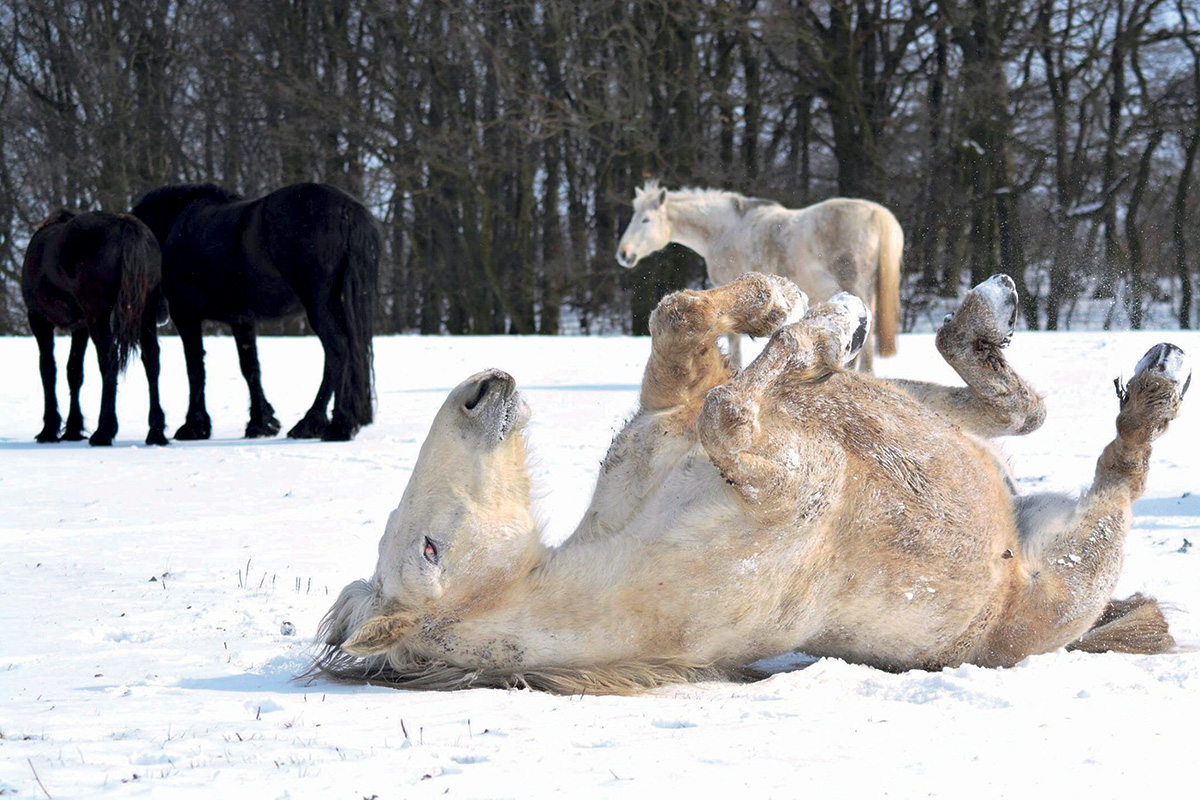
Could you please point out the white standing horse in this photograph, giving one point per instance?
(792, 505)
(836, 245)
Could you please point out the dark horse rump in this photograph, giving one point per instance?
(94, 274)
(305, 247)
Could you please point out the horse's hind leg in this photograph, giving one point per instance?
(150, 360)
(43, 332)
(685, 362)
(1072, 562)
(996, 400)
(747, 426)
(106, 356)
(197, 425)
(79, 343)
(262, 416)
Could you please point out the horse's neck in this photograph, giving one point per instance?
(698, 220)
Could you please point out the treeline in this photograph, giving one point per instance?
(499, 143)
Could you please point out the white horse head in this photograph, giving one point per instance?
(649, 231)
(465, 516)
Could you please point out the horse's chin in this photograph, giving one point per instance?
(515, 416)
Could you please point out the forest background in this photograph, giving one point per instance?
(499, 143)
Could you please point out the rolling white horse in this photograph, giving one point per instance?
(795, 505)
(836, 245)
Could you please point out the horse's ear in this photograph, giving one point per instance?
(378, 634)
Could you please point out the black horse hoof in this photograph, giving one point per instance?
(101, 439)
(47, 437)
(338, 432)
(157, 438)
(259, 430)
(192, 431)
(309, 428)
(73, 436)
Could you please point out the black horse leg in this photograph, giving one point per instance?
(150, 360)
(315, 422)
(198, 425)
(43, 331)
(106, 355)
(262, 416)
(79, 343)
(336, 340)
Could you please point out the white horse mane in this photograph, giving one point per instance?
(647, 197)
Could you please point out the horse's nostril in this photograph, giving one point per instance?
(481, 391)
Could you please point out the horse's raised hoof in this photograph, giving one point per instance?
(157, 437)
(311, 426)
(987, 314)
(193, 430)
(847, 319)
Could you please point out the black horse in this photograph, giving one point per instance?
(94, 274)
(305, 247)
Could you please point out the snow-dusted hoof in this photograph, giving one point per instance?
(847, 320)
(856, 319)
(1170, 362)
(1152, 397)
(984, 321)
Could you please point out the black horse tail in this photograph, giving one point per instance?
(360, 288)
(141, 276)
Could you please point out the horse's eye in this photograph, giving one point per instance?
(431, 553)
(645, 220)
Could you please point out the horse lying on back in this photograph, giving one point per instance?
(795, 505)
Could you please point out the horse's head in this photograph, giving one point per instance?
(463, 524)
(649, 230)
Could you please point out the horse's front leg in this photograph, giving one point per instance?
(996, 400)
(197, 425)
(79, 343)
(150, 360)
(752, 434)
(106, 356)
(43, 332)
(685, 362)
(262, 415)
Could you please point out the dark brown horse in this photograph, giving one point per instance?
(306, 247)
(96, 275)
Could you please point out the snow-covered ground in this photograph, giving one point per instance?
(144, 593)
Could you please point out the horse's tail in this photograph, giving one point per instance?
(360, 287)
(887, 282)
(1133, 625)
(141, 276)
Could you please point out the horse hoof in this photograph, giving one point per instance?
(45, 437)
(853, 323)
(338, 433)
(309, 428)
(191, 431)
(100, 440)
(1170, 362)
(157, 438)
(258, 430)
(73, 436)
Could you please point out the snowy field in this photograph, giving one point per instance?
(144, 595)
